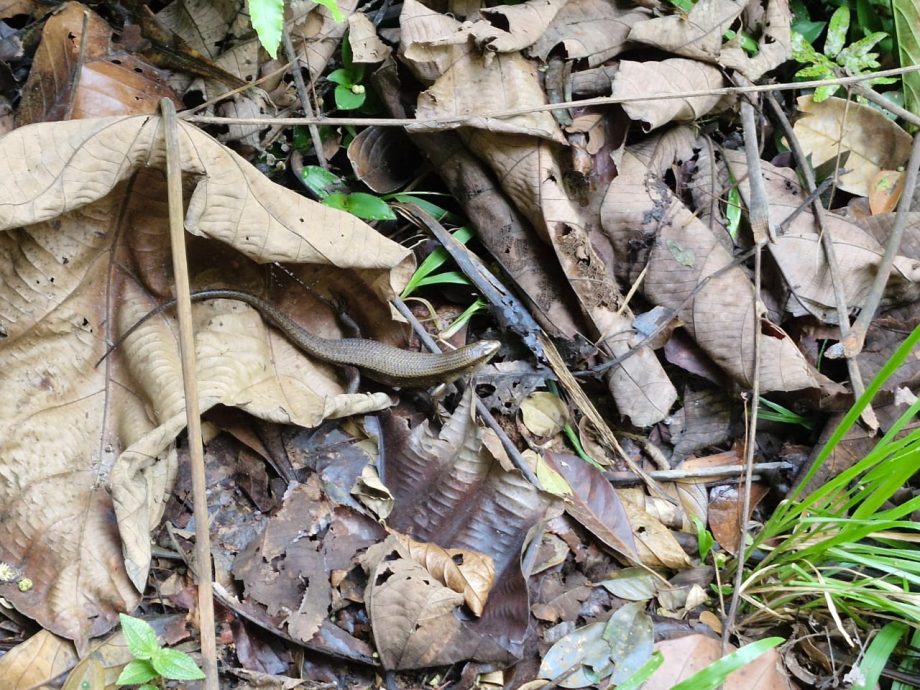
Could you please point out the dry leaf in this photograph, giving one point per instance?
(37, 661)
(676, 75)
(544, 414)
(411, 612)
(80, 442)
(110, 82)
(468, 572)
(686, 655)
(836, 126)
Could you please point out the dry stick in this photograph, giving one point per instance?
(759, 225)
(513, 453)
(705, 474)
(843, 319)
(853, 343)
(459, 120)
(870, 94)
(294, 60)
(192, 405)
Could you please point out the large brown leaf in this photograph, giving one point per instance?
(84, 248)
(690, 271)
(450, 491)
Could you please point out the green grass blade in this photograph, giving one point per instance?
(878, 653)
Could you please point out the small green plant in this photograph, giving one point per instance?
(350, 93)
(856, 58)
(774, 412)
(152, 662)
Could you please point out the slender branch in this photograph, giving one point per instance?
(303, 96)
(192, 404)
(565, 105)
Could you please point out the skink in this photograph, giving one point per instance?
(383, 363)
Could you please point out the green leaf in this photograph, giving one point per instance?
(715, 674)
(809, 30)
(333, 9)
(347, 99)
(467, 314)
(267, 18)
(364, 206)
(446, 278)
(878, 653)
(837, 31)
(814, 72)
(704, 538)
(733, 212)
(803, 51)
(136, 672)
(140, 637)
(683, 5)
(340, 76)
(433, 261)
(439, 213)
(175, 665)
(319, 180)
(822, 93)
(907, 29)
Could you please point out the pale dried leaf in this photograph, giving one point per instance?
(720, 315)
(655, 544)
(774, 44)
(532, 177)
(525, 24)
(593, 30)
(468, 572)
(544, 414)
(675, 75)
(800, 257)
(37, 661)
(104, 435)
(422, 31)
(474, 85)
(697, 35)
(836, 126)
(366, 47)
(685, 656)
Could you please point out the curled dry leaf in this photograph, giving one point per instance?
(592, 30)
(408, 608)
(468, 572)
(524, 23)
(87, 452)
(544, 414)
(697, 35)
(835, 126)
(672, 76)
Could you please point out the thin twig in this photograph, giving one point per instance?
(837, 281)
(294, 60)
(459, 120)
(192, 405)
(706, 474)
(760, 226)
(759, 204)
(870, 94)
(853, 342)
